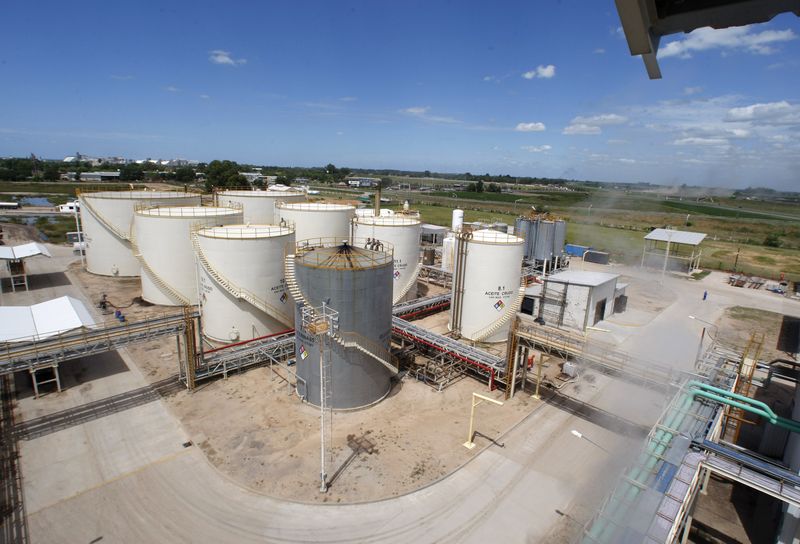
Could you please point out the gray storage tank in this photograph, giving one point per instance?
(560, 238)
(524, 228)
(545, 239)
(357, 283)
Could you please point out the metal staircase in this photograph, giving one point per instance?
(235, 290)
(291, 281)
(409, 285)
(155, 278)
(353, 340)
(105, 222)
(509, 312)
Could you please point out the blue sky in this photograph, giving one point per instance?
(519, 88)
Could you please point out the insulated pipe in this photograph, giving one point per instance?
(724, 392)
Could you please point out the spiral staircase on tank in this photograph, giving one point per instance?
(239, 292)
(105, 222)
(346, 339)
(409, 285)
(165, 287)
(509, 312)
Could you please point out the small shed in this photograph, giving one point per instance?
(15, 261)
(433, 234)
(577, 299)
(673, 250)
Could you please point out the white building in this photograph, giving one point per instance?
(576, 299)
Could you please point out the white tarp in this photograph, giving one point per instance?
(26, 323)
(22, 251)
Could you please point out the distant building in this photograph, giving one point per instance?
(363, 182)
(99, 176)
(252, 177)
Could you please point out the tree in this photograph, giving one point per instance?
(131, 172)
(184, 174)
(494, 188)
(51, 172)
(223, 174)
(772, 239)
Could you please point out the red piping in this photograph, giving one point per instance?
(226, 346)
(424, 310)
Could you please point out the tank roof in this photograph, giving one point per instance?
(343, 255)
(187, 211)
(137, 195)
(388, 220)
(314, 206)
(260, 193)
(245, 232)
(488, 236)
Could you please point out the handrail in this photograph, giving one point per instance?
(105, 222)
(510, 310)
(411, 282)
(352, 339)
(236, 290)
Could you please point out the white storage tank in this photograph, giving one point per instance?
(162, 240)
(491, 284)
(258, 206)
(448, 252)
(403, 233)
(458, 220)
(107, 220)
(242, 291)
(315, 220)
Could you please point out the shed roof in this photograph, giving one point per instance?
(581, 277)
(22, 251)
(49, 318)
(427, 228)
(676, 236)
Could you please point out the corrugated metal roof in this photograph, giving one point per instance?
(23, 251)
(676, 236)
(49, 318)
(581, 277)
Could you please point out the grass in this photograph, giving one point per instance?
(55, 228)
(54, 187)
(700, 275)
(552, 199)
(715, 211)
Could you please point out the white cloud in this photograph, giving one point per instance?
(537, 148)
(421, 112)
(348, 98)
(771, 113)
(530, 127)
(599, 51)
(339, 133)
(171, 88)
(204, 96)
(700, 141)
(581, 128)
(218, 56)
(591, 125)
(733, 38)
(627, 161)
(689, 91)
(542, 72)
(489, 78)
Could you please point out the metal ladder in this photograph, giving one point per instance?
(234, 289)
(160, 283)
(509, 312)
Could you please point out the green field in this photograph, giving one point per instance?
(716, 211)
(553, 199)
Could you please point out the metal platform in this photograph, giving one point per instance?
(275, 349)
(419, 306)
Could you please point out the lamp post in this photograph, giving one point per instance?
(515, 205)
(578, 434)
(702, 336)
(469, 444)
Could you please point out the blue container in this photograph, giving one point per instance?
(575, 250)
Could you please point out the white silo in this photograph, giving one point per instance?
(163, 244)
(458, 220)
(448, 252)
(258, 206)
(403, 233)
(107, 220)
(242, 291)
(315, 220)
(486, 284)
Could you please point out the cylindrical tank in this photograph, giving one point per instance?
(314, 220)
(448, 250)
(545, 240)
(162, 238)
(458, 220)
(403, 233)
(370, 212)
(560, 237)
(357, 283)
(242, 289)
(491, 282)
(107, 222)
(258, 206)
(525, 228)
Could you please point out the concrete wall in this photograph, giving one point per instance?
(604, 291)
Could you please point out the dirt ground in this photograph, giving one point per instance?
(738, 323)
(254, 429)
